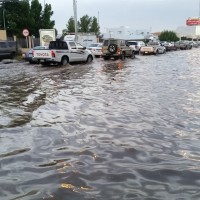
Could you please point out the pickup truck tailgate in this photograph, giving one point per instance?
(41, 54)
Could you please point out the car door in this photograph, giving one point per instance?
(75, 52)
(82, 52)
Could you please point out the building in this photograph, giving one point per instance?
(188, 31)
(127, 33)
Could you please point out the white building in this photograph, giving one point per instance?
(188, 31)
(127, 33)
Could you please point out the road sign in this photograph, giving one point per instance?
(25, 32)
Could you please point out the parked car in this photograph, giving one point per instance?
(169, 46)
(153, 48)
(8, 49)
(96, 49)
(194, 44)
(29, 54)
(116, 48)
(136, 45)
(183, 45)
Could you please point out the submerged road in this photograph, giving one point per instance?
(106, 130)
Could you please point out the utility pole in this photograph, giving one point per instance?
(75, 19)
(199, 8)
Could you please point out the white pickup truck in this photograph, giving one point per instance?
(62, 52)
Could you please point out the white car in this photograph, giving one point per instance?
(96, 49)
(136, 45)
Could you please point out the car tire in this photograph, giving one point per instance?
(133, 55)
(44, 64)
(106, 57)
(89, 59)
(123, 56)
(112, 48)
(12, 55)
(156, 53)
(64, 61)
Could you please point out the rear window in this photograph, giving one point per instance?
(107, 42)
(132, 43)
(58, 45)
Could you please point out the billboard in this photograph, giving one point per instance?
(193, 21)
(46, 35)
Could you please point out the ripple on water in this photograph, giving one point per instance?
(109, 130)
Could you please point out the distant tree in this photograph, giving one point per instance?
(13, 16)
(35, 20)
(20, 14)
(95, 26)
(46, 22)
(70, 25)
(64, 32)
(85, 24)
(168, 36)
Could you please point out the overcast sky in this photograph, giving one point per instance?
(158, 15)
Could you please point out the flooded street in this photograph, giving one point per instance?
(109, 130)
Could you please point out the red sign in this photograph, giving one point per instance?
(25, 32)
(193, 21)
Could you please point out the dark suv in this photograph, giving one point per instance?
(116, 48)
(8, 49)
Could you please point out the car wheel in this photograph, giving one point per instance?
(156, 53)
(106, 58)
(64, 61)
(116, 58)
(44, 64)
(112, 48)
(89, 59)
(133, 55)
(12, 55)
(123, 56)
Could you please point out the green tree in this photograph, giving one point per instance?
(71, 25)
(84, 25)
(35, 21)
(13, 16)
(20, 14)
(46, 22)
(95, 26)
(168, 36)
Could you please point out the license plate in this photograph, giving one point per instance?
(42, 60)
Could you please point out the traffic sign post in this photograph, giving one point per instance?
(25, 33)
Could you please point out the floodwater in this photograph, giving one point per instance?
(109, 130)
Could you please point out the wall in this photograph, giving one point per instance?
(3, 35)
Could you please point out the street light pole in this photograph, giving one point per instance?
(199, 8)
(75, 19)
